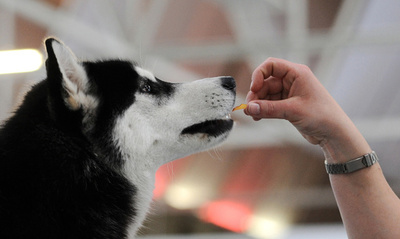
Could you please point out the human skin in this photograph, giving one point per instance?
(285, 90)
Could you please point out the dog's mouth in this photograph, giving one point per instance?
(214, 128)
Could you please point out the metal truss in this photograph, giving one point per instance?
(128, 28)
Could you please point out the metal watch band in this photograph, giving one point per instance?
(364, 161)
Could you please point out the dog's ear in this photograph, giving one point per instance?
(67, 75)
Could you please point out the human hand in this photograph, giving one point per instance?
(285, 90)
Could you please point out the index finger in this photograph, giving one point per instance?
(278, 68)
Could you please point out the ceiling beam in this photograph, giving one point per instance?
(222, 50)
(277, 4)
(341, 34)
(261, 22)
(266, 132)
(146, 33)
(297, 30)
(7, 29)
(94, 40)
(60, 22)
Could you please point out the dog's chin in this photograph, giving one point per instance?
(211, 128)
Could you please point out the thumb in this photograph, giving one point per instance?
(268, 109)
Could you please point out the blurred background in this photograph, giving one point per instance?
(266, 181)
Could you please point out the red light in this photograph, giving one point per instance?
(162, 181)
(230, 215)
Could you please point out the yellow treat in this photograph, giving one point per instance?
(240, 107)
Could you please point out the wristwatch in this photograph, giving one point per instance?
(364, 161)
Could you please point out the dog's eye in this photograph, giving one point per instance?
(145, 88)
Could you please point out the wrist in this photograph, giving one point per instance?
(344, 146)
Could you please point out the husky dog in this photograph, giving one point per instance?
(78, 158)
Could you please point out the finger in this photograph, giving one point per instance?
(277, 68)
(269, 109)
(251, 96)
(271, 89)
(255, 118)
(257, 80)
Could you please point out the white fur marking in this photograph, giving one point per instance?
(146, 122)
(145, 73)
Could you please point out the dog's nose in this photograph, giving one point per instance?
(228, 82)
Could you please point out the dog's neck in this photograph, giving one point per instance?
(143, 178)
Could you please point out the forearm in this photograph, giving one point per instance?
(368, 206)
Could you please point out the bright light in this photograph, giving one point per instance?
(267, 227)
(18, 61)
(182, 196)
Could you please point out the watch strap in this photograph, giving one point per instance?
(364, 161)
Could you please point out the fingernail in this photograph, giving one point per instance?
(254, 108)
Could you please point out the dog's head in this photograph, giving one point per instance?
(125, 110)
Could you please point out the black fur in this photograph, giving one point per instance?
(62, 174)
(55, 180)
